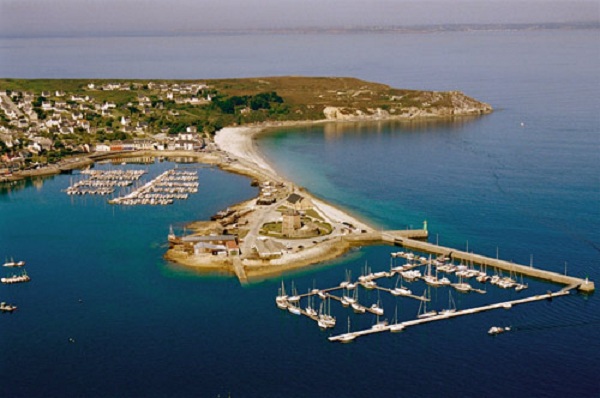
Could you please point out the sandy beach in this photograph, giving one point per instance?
(238, 142)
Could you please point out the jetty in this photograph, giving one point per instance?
(403, 325)
(163, 190)
(583, 285)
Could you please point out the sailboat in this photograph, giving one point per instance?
(521, 286)
(379, 325)
(292, 308)
(348, 337)
(13, 263)
(376, 309)
(281, 299)
(294, 298)
(356, 307)
(400, 291)
(310, 311)
(396, 327)
(423, 313)
(451, 305)
(325, 319)
(348, 299)
(461, 286)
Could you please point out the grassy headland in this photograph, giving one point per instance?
(44, 120)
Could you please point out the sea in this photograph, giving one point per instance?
(105, 315)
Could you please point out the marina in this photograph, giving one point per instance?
(103, 182)
(438, 317)
(349, 297)
(174, 184)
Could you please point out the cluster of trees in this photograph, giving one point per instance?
(255, 102)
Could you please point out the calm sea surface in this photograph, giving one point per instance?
(524, 181)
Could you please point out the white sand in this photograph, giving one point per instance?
(238, 143)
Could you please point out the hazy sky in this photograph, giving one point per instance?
(52, 16)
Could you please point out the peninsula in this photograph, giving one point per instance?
(50, 126)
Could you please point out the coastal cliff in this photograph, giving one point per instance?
(344, 98)
(431, 105)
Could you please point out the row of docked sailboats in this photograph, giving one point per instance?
(292, 304)
(405, 272)
(16, 278)
(325, 320)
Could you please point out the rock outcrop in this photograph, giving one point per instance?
(426, 104)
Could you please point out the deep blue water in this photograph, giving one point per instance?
(148, 328)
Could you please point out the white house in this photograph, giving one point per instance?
(102, 148)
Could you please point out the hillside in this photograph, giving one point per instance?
(44, 120)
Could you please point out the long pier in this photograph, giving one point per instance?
(398, 238)
(420, 321)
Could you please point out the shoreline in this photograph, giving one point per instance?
(239, 154)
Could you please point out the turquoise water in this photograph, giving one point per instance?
(144, 327)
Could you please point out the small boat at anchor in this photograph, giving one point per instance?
(494, 330)
(13, 263)
(7, 307)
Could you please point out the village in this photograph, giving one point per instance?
(41, 128)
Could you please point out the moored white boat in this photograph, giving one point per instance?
(13, 263)
(376, 309)
(494, 330)
(294, 310)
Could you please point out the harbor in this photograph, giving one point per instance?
(582, 284)
(103, 182)
(174, 184)
(379, 328)
(466, 279)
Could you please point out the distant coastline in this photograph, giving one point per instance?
(308, 30)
